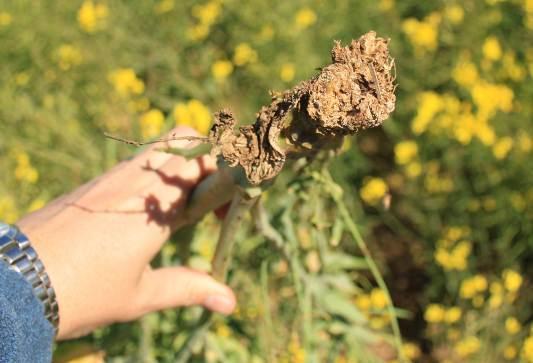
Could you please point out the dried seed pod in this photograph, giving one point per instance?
(354, 92)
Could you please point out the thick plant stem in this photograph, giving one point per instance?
(240, 205)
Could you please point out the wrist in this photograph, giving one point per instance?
(17, 252)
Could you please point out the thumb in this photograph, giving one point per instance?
(181, 286)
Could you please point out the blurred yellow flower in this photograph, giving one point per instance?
(386, 5)
(164, 6)
(24, 171)
(378, 298)
(304, 18)
(68, 56)
(411, 351)
(512, 280)
(452, 315)
(429, 104)
(287, 72)
(22, 78)
(434, 313)
(91, 16)
(126, 82)
(244, 54)
(465, 73)
(527, 349)
(490, 98)
(413, 169)
(405, 151)
(266, 33)
(363, 302)
(471, 286)
(455, 258)
(423, 35)
(5, 18)
(511, 68)
(454, 13)
(512, 325)
(198, 32)
(510, 352)
(525, 142)
(8, 209)
(492, 49)
(207, 13)
(502, 147)
(36, 204)
(296, 351)
(467, 346)
(373, 190)
(194, 114)
(151, 123)
(221, 69)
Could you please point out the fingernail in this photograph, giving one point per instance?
(220, 303)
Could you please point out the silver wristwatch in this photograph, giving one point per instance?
(16, 251)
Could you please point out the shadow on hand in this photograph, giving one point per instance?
(152, 205)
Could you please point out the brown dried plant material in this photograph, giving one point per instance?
(354, 92)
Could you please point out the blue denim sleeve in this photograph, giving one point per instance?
(25, 335)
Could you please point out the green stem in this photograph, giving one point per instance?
(240, 205)
(354, 231)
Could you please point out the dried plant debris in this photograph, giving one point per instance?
(354, 92)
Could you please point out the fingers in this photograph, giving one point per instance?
(180, 286)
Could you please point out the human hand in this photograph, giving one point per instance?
(97, 243)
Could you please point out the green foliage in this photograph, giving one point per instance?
(442, 193)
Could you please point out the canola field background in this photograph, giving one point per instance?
(443, 192)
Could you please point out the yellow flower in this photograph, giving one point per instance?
(512, 325)
(207, 13)
(452, 315)
(465, 73)
(492, 49)
(386, 5)
(480, 282)
(527, 349)
(126, 82)
(467, 346)
(378, 298)
(151, 123)
(373, 190)
(502, 147)
(429, 104)
(164, 6)
(304, 18)
(24, 171)
(454, 13)
(405, 151)
(471, 286)
(266, 33)
(490, 98)
(413, 170)
(198, 32)
(363, 302)
(423, 35)
(244, 54)
(22, 78)
(512, 280)
(296, 351)
(411, 351)
(36, 204)
(8, 209)
(68, 56)
(434, 313)
(221, 69)
(5, 18)
(194, 114)
(287, 72)
(510, 352)
(91, 16)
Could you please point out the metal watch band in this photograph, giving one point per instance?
(16, 251)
